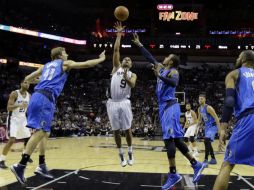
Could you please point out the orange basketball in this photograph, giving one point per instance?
(121, 13)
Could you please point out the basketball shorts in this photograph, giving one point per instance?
(191, 131)
(239, 149)
(16, 127)
(40, 112)
(210, 132)
(120, 114)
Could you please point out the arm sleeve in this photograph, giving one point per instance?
(148, 55)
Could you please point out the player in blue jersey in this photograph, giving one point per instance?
(53, 76)
(240, 100)
(169, 112)
(211, 120)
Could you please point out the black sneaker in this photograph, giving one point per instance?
(2, 165)
(18, 171)
(43, 171)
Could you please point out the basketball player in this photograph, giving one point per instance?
(118, 104)
(211, 120)
(169, 112)
(53, 76)
(191, 125)
(16, 120)
(240, 99)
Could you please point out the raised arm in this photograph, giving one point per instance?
(69, 64)
(116, 54)
(144, 51)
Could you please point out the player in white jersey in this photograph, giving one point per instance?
(118, 104)
(191, 126)
(16, 120)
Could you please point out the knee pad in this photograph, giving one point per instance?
(192, 139)
(186, 139)
(181, 146)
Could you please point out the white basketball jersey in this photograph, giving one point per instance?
(20, 112)
(119, 88)
(189, 117)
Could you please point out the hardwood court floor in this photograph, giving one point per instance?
(100, 154)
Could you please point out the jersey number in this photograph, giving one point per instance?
(123, 83)
(22, 110)
(48, 75)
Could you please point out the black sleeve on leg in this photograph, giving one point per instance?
(171, 148)
(181, 146)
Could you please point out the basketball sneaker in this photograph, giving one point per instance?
(18, 171)
(2, 165)
(43, 171)
(213, 161)
(171, 181)
(122, 160)
(198, 168)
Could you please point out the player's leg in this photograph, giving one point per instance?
(186, 139)
(5, 151)
(173, 176)
(25, 143)
(222, 179)
(113, 114)
(126, 120)
(40, 114)
(194, 146)
(42, 169)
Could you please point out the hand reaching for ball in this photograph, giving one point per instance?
(118, 26)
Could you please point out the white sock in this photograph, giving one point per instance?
(190, 149)
(120, 151)
(129, 148)
(2, 158)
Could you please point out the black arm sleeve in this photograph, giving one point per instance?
(148, 55)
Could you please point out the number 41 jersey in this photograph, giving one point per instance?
(52, 78)
(119, 89)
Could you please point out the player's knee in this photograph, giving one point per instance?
(192, 139)
(186, 139)
(181, 146)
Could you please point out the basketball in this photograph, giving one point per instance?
(121, 13)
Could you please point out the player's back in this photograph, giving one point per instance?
(244, 91)
(119, 89)
(53, 77)
(165, 92)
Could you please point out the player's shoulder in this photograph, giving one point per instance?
(14, 93)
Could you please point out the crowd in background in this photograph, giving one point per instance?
(81, 109)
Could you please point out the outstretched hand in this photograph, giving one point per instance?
(136, 40)
(118, 26)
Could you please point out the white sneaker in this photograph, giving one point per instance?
(130, 159)
(122, 160)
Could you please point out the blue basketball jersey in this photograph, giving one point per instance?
(244, 90)
(165, 92)
(208, 119)
(53, 77)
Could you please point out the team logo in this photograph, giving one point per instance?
(43, 123)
